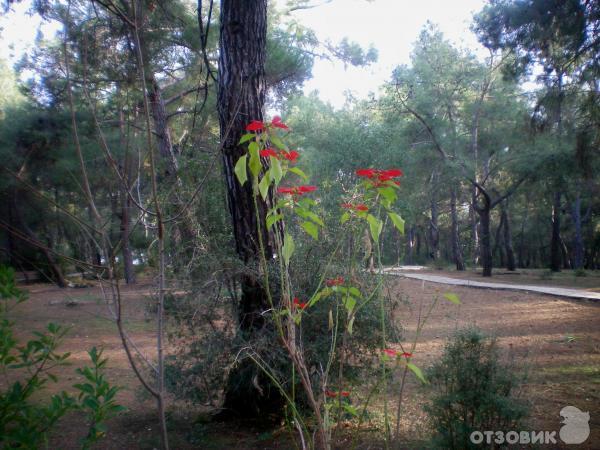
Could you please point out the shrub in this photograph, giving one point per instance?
(473, 390)
(25, 423)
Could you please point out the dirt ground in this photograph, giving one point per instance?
(558, 341)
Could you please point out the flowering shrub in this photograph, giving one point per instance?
(270, 166)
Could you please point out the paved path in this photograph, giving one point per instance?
(556, 291)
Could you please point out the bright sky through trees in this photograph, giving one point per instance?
(391, 26)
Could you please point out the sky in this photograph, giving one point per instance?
(391, 26)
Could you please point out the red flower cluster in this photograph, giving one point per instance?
(380, 177)
(359, 207)
(277, 123)
(335, 281)
(257, 125)
(269, 152)
(298, 304)
(332, 394)
(297, 190)
(291, 156)
(391, 352)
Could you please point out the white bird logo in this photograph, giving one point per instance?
(576, 428)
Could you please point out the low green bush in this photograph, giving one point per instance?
(473, 390)
(27, 423)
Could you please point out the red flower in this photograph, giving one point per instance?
(276, 122)
(299, 304)
(369, 173)
(255, 125)
(407, 355)
(305, 189)
(292, 155)
(391, 173)
(382, 176)
(331, 394)
(359, 207)
(335, 281)
(269, 152)
(390, 352)
(345, 394)
(298, 190)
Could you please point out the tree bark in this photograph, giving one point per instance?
(434, 232)
(508, 244)
(486, 247)
(241, 97)
(125, 228)
(456, 250)
(555, 247)
(474, 232)
(578, 240)
(498, 240)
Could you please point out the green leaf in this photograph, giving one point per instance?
(452, 297)
(375, 225)
(240, 169)
(273, 219)
(349, 303)
(315, 298)
(351, 410)
(299, 172)
(263, 186)
(354, 291)
(255, 164)
(311, 229)
(417, 372)
(316, 219)
(277, 142)
(276, 172)
(246, 137)
(345, 217)
(398, 221)
(388, 193)
(288, 248)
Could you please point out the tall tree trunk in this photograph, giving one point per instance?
(555, 247)
(485, 247)
(125, 228)
(434, 232)
(474, 233)
(578, 240)
(498, 240)
(161, 127)
(456, 250)
(241, 97)
(508, 245)
(522, 263)
(126, 205)
(564, 252)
